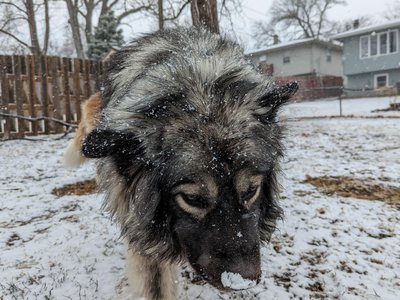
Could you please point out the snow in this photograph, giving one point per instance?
(235, 281)
(350, 107)
(326, 246)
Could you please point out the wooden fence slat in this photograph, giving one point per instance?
(5, 96)
(43, 93)
(32, 91)
(87, 79)
(65, 67)
(77, 88)
(96, 68)
(19, 100)
(55, 90)
(61, 81)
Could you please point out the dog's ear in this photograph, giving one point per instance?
(103, 142)
(275, 98)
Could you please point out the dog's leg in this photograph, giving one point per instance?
(148, 278)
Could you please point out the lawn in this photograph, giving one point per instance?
(332, 243)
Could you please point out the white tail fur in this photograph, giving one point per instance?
(73, 157)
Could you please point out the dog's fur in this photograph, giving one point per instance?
(90, 109)
(188, 146)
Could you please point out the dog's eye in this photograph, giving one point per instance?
(249, 194)
(194, 200)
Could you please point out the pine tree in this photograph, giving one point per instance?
(106, 36)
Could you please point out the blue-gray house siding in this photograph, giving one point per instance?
(364, 70)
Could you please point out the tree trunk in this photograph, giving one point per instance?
(90, 6)
(160, 15)
(30, 11)
(47, 27)
(73, 22)
(205, 14)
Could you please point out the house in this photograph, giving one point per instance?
(371, 58)
(302, 57)
(315, 63)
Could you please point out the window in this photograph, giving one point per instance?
(374, 45)
(379, 44)
(383, 43)
(286, 59)
(329, 56)
(393, 41)
(364, 45)
(381, 80)
(262, 58)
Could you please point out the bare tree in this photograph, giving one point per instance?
(393, 11)
(205, 13)
(23, 13)
(264, 34)
(349, 24)
(160, 14)
(299, 18)
(73, 12)
(82, 12)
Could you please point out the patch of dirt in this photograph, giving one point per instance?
(356, 188)
(315, 287)
(80, 188)
(283, 280)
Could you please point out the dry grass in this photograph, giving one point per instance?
(356, 188)
(85, 187)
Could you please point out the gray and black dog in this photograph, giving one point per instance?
(188, 147)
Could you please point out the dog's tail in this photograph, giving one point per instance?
(73, 157)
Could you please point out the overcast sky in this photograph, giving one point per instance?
(254, 10)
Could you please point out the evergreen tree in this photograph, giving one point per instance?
(106, 36)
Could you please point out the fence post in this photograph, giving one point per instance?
(87, 79)
(55, 90)
(5, 94)
(30, 61)
(19, 101)
(43, 92)
(66, 89)
(77, 88)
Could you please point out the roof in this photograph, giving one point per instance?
(362, 30)
(294, 43)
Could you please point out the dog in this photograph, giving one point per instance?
(188, 146)
(90, 109)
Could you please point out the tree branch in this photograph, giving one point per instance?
(13, 5)
(16, 38)
(175, 16)
(131, 11)
(39, 119)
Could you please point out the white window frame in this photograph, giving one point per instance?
(379, 34)
(368, 47)
(379, 42)
(377, 45)
(397, 40)
(376, 81)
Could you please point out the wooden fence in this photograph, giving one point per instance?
(52, 94)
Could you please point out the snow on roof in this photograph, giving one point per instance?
(366, 29)
(292, 44)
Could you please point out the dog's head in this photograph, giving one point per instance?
(188, 148)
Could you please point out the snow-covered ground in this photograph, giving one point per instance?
(326, 247)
